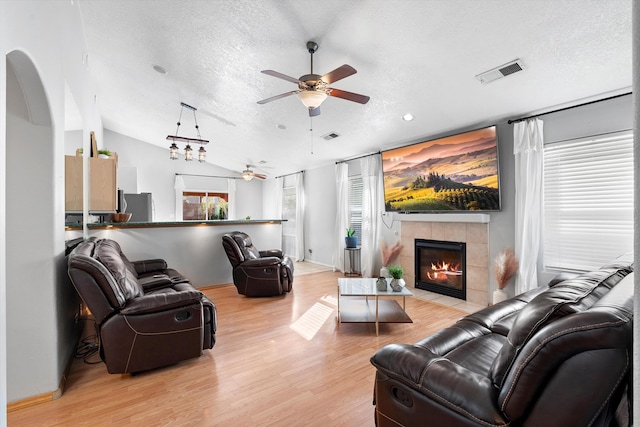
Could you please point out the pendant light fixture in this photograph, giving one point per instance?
(188, 151)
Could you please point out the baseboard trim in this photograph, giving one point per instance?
(52, 395)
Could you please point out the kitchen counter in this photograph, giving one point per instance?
(194, 223)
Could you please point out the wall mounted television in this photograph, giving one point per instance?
(457, 173)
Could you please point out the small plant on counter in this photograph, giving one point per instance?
(351, 232)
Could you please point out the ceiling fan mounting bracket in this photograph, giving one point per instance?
(312, 47)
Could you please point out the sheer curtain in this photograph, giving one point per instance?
(528, 146)
(278, 207)
(372, 205)
(300, 202)
(342, 214)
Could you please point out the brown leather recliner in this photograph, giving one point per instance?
(147, 315)
(257, 273)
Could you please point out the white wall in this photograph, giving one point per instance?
(156, 175)
(50, 35)
(320, 214)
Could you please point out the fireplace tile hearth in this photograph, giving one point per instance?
(475, 235)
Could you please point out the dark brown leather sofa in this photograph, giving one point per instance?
(257, 273)
(554, 356)
(147, 315)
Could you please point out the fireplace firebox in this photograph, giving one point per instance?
(441, 267)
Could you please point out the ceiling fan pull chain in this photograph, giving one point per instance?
(311, 131)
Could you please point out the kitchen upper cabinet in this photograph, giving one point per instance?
(103, 185)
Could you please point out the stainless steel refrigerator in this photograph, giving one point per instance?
(140, 206)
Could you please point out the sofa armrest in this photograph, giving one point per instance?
(447, 384)
(153, 303)
(149, 265)
(272, 252)
(260, 262)
(155, 281)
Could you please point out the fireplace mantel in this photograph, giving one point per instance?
(464, 217)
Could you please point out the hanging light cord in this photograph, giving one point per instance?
(196, 120)
(180, 119)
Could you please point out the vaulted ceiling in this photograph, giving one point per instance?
(411, 56)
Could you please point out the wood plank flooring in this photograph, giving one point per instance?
(277, 362)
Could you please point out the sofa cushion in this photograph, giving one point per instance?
(111, 257)
(567, 297)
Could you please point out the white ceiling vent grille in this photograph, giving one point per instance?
(330, 136)
(501, 71)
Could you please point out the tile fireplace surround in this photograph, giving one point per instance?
(475, 235)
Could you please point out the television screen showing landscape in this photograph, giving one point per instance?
(456, 173)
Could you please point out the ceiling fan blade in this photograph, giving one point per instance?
(282, 95)
(313, 112)
(280, 76)
(349, 96)
(259, 176)
(338, 74)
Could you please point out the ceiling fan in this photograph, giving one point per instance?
(248, 174)
(313, 89)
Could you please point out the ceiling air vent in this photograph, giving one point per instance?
(330, 136)
(501, 71)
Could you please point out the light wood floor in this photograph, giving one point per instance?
(277, 362)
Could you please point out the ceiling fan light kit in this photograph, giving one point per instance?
(188, 151)
(248, 174)
(313, 89)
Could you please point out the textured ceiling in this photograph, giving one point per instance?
(411, 56)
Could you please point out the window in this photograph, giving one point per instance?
(588, 201)
(355, 205)
(203, 205)
(289, 201)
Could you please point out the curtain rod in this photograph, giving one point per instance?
(292, 173)
(359, 157)
(568, 108)
(207, 176)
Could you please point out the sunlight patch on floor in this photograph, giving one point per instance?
(308, 325)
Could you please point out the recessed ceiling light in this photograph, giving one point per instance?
(160, 69)
(407, 117)
(281, 126)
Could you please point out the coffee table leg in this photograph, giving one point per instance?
(338, 314)
(376, 315)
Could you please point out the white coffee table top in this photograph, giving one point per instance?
(360, 286)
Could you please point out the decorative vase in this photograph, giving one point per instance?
(381, 284)
(351, 242)
(397, 284)
(384, 272)
(499, 295)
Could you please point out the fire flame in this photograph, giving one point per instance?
(441, 270)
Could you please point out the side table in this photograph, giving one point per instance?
(352, 262)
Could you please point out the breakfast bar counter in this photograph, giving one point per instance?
(193, 247)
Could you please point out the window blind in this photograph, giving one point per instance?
(355, 205)
(588, 201)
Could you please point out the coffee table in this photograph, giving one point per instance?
(362, 311)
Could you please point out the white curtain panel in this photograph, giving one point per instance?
(372, 205)
(179, 188)
(528, 146)
(300, 202)
(342, 214)
(278, 195)
(231, 191)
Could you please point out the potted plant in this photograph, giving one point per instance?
(350, 239)
(397, 282)
(104, 154)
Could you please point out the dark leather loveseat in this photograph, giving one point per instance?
(147, 315)
(257, 273)
(554, 356)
